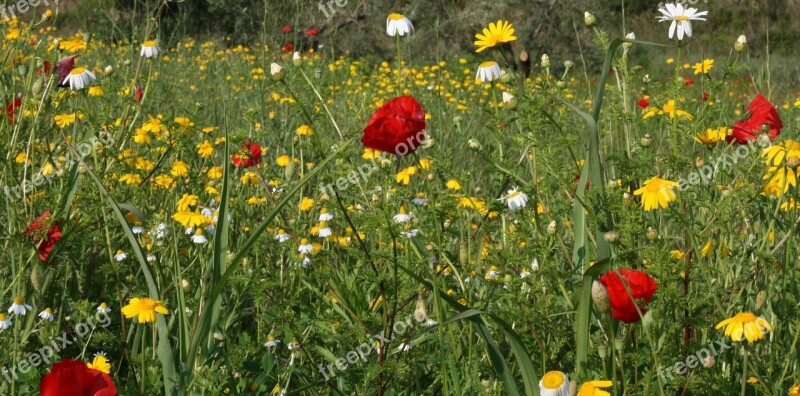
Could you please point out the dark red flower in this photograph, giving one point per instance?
(705, 96)
(287, 29)
(74, 378)
(288, 47)
(139, 94)
(687, 81)
(12, 107)
(47, 241)
(63, 67)
(760, 112)
(642, 287)
(312, 32)
(398, 127)
(249, 155)
(643, 103)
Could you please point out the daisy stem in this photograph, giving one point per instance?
(399, 61)
(744, 371)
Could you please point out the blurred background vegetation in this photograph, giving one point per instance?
(445, 27)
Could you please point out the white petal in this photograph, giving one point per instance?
(672, 28)
(687, 26)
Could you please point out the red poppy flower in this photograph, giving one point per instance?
(47, 241)
(12, 107)
(74, 378)
(249, 155)
(288, 47)
(312, 32)
(63, 67)
(287, 29)
(687, 81)
(642, 288)
(705, 96)
(139, 94)
(643, 103)
(760, 112)
(398, 127)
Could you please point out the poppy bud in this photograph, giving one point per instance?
(37, 277)
(552, 227)
(589, 19)
(761, 299)
(276, 71)
(646, 140)
(602, 350)
(600, 297)
(740, 43)
(37, 86)
(619, 343)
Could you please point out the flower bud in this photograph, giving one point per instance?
(109, 70)
(589, 19)
(652, 235)
(740, 43)
(600, 296)
(276, 71)
(505, 77)
(569, 64)
(619, 343)
(764, 140)
(699, 162)
(127, 62)
(761, 299)
(474, 144)
(602, 350)
(626, 198)
(646, 79)
(646, 140)
(629, 36)
(561, 84)
(552, 227)
(509, 100)
(296, 59)
(545, 61)
(793, 161)
(185, 284)
(611, 236)
(37, 86)
(457, 119)
(709, 362)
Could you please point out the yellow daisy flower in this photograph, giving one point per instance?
(144, 309)
(745, 325)
(656, 193)
(497, 33)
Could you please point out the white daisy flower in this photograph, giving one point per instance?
(137, 229)
(282, 236)
(524, 274)
(120, 255)
(515, 199)
(150, 49)
(404, 216)
(275, 69)
(151, 257)
(188, 231)
(161, 231)
(198, 237)
(4, 322)
(103, 308)
(47, 315)
(420, 199)
(410, 234)
(188, 311)
(305, 247)
(271, 342)
(18, 307)
(404, 347)
(554, 383)
(79, 78)
(306, 262)
(681, 18)
(324, 215)
(488, 71)
(398, 24)
(324, 230)
(507, 97)
(431, 323)
(535, 264)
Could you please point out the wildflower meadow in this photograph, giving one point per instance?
(192, 215)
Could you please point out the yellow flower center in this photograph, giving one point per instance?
(48, 310)
(304, 241)
(513, 194)
(403, 210)
(148, 304)
(149, 43)
(77, 70)
(553, 380)
(396, 17)
(19, 300)
(421, 195)
(682, 18)
(2, 317)
(488, 64)
(745, 317)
